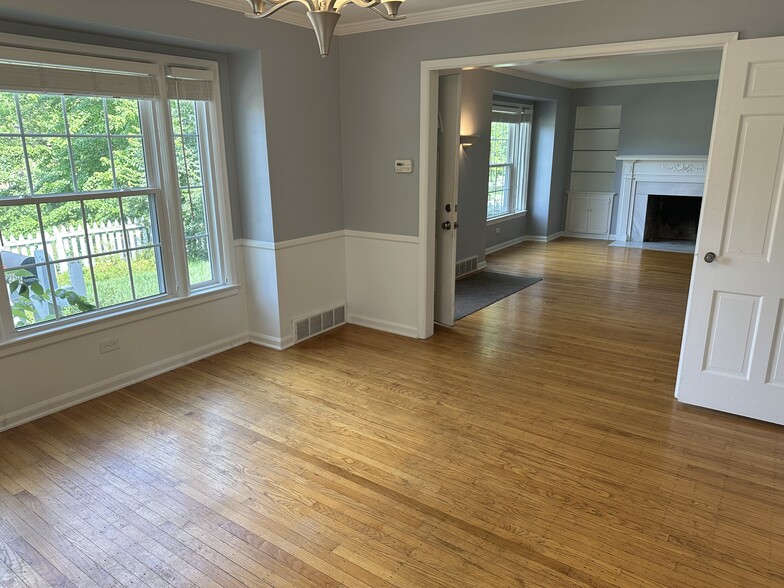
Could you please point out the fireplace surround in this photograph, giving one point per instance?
(653, 175)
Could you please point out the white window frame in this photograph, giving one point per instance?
(519, 165)
(163, 182)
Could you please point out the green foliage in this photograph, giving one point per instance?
(25, 289)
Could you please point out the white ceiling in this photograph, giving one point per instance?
(355, 19)
(625, 69)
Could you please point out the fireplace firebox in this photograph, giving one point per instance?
(672, 218)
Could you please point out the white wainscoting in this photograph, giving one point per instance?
(382, 272)
(51, 377)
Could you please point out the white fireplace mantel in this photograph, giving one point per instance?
(675, 175)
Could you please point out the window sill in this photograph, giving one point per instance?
(507, 217)
(21, 342)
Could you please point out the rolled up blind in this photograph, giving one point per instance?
(27, 70)
(503, 114)
(190, 84)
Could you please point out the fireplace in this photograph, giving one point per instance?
(657, 194)
(671, 218)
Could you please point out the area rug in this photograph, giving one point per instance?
(484, 288)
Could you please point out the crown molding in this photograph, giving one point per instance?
(442, 14)
(478, 9)
(608, 84)
(291, 17)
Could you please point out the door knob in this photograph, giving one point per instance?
(456, 225)
(446, 225)
(710, 257)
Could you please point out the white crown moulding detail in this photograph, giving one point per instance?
(298, 18)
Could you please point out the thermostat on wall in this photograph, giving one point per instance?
(404, 166)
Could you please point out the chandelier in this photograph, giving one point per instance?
(324, 14)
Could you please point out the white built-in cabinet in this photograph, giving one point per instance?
(590, 200)
(589, 213)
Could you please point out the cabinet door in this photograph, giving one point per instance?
(577, 215)
(599, 211)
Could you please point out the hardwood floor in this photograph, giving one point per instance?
(536, 444)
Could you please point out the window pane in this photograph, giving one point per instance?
(104, 225)
(63, 230)
(9, 121)
(42, 114)
(147, 274)
(13, 173)
(112, 279)
(138, 211)
(92, 164)
(188, 161)
(85, 115)
(30, 296)
(21, 233)
(129, 164)
(199, 266)
(73, 289)
(123, 117)
(50, 165)
(183, 117)
(193, 216)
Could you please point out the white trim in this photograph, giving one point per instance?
(382, 236)
(537, 77)
(35, 340)
(442, 14)
(381, 325)
(376, 24)
(428, 110)
(524, 239)
(506, 217)
(644, 81)
(703, 158)
(589, 236)
(47, 407)
(505, 244)
(271, 246)
(294, 18)
(276, 343)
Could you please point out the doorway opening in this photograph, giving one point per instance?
(531, 65)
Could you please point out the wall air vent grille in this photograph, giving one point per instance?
(307, 327)
(466, 266)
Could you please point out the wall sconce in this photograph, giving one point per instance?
(467, 140)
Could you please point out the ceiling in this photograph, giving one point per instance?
(624, 69)
(357, 20)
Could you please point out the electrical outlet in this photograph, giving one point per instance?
(497, 230)
(109, 345)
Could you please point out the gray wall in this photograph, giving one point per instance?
(550, 153)
(657, 119)
(301, 98)
(380, 75)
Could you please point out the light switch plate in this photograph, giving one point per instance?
(404, 166)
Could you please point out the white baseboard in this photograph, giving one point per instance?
(381, 325)
(47, 407)
(587, 236)
(277, 343)
(524, 239)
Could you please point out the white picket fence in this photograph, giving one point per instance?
(69, 242)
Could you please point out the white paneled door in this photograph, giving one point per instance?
(733, 348)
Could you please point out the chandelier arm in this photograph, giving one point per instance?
(383, 14)
(278, 4)
(339, 4)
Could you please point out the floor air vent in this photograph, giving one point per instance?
(467, 266)
(310, 326)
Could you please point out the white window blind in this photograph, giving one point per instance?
(189, 84)
(502, 114)
(27, 70)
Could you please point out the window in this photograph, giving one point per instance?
(107, 187)
(510, 145)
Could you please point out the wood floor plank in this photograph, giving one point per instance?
(537, 443)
